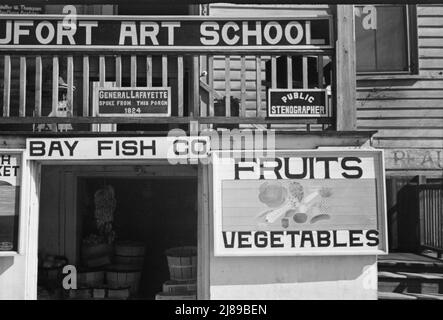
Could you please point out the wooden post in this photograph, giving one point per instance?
(345, 69)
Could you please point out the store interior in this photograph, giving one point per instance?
(119, 235)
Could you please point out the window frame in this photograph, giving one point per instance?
(412, 50)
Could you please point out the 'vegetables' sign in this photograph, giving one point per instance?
(10, 181)
(166, 33)
(300, 203)
(121, 148)
(149, 102)
(293, 103)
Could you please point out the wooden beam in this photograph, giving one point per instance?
(38, 86)
(7, 86)
(55, 75)
(22, 99)
(180, 73)
(86, 86)
(70, 82)
(345, 104)
(133, 71)
(228, 86)
(163, 120)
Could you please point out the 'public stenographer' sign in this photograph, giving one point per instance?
(294, 103)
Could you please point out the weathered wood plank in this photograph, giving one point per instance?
(430, 42)
(243, 87)
(389, 85)
(399, 142)
(164, 70)
(118, 71)
(38, 86)
(258, 85)
(411, 113)
(227, 86)
(22, 98)
(433, 63)
(400, 104)
(180, 87)
(305, 72)
(407, 133)
(429, 32)
(433, 21)
(289, 71)
(431, 52)
(70, 83)
(345, 69)
(85, 86)
(55, 75)
(133, 70)
(149, 71)
(320, 71)
(7, 86)
(166, 120)
(401, 122)
(433, 11)
(399, 94)
(102, 71)
(196, 85)
(273, 72)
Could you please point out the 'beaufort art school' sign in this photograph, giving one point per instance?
(314, 202)
(166, 33)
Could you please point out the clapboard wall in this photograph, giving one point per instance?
(407, 111)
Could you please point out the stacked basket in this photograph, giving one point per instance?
(182, 263)
(119, 280)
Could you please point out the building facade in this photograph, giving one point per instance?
(116, 119)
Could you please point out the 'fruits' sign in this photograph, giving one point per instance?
(316, 202)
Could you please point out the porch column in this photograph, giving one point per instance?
(345, 69)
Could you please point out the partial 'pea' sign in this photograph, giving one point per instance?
(148, 102)
(10, 172)
(314, 202)
(293, 103)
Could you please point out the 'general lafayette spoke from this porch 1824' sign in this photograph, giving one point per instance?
(152, 102)
(291, 103)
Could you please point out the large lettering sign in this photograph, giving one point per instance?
(166, 33)
(300, 203)
(113, 148)
(10, 181)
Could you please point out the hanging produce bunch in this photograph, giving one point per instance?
(105, 203)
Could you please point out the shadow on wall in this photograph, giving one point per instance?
(5, 264)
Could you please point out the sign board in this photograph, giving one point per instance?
(10, 181)
(414, 159)
(173, 33)
(20, 9)
(148, 102)
(294, 103)
(311, 202)
(117, 148)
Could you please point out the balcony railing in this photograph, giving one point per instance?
(213, 87)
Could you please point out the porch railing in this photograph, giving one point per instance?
(431, 217)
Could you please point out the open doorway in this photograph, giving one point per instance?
(117, 226)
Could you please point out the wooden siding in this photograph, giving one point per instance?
(407, 111)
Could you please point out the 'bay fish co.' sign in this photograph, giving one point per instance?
(118, 148)
(163, 33)
(313, 202)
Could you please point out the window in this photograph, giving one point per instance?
(385, 39)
